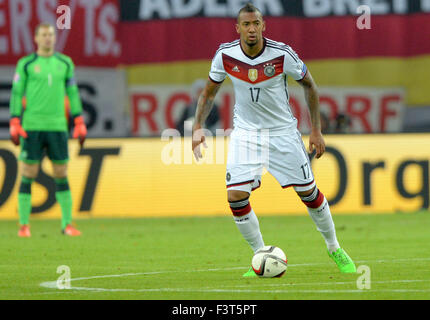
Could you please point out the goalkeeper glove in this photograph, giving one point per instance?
(80, 129)
(16, 130)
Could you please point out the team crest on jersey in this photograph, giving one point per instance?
(37, 69)
(252, 74)
(269, 70)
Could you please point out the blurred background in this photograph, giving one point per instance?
(141, 63)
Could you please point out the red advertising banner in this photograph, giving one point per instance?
(329, 37)
(99, 34)
(86, 30)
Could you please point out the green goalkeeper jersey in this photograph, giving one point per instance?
(44, 81)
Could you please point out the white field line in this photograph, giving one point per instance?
(53, 284)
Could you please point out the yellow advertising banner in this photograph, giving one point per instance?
(137, 177)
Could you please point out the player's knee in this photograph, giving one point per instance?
(313, 198)
(239, 202)
(30, 170)
(306, 193)
(236, 195)
(60, 171)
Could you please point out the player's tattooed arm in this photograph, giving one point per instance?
(206, 102)
(204, 107)
(312, 98)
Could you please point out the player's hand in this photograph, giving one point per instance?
(16, 130)
(198, 138)
(80, 130)
(316, 141)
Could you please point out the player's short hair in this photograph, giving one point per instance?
(43, 25)
(249, 7)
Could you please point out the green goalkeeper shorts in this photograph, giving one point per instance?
(38, 143)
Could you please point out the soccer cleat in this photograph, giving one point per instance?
(24, 231)
(343, 261)
(69, 230)
(250, 273)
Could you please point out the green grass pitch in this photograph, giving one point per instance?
(204, 258)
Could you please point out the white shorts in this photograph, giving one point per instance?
(284, 156)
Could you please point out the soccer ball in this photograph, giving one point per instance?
(269, 262)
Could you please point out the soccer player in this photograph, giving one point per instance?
(44, 78)
(265, 130)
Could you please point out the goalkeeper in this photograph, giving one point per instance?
(44, 78)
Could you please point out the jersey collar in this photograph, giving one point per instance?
(259, 54)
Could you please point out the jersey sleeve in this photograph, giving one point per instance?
(73, 91)
(18, 89)
(293, 65)
(217, 73)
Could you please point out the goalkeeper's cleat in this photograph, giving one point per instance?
(343, 261)
(69, 230)
(250, 273)
(24, 231)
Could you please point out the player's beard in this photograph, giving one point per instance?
(251, 44)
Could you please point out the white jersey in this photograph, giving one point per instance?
(260, 84)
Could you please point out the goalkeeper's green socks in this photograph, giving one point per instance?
(24, 200)
(62, 194)
(64, 198)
